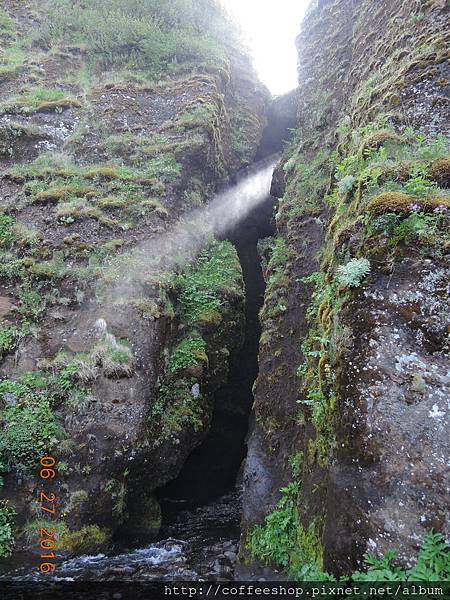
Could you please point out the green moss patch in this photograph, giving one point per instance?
(55, 194)
(90, 539)
(403, 203)
(440, 171)
(200, 288)
(40, 100)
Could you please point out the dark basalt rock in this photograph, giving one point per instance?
(381, 485)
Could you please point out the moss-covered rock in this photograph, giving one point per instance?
(440, 171)
(363, 182)
(101, 159)
(404, 203)
(90, 539)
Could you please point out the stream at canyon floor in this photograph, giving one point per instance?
(200, 544)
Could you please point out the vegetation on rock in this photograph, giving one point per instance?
(363, 221)
(117, 119)
(89, 538)
(205, 294)
(156, 36)
(283, 541)
(29, 425)
(216, 271)
(370, 201)
(7, 514)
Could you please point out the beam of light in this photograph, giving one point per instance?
(270, 27)
(182, 241)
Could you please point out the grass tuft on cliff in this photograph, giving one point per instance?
(40, 100)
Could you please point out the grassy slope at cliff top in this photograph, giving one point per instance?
(155, 36)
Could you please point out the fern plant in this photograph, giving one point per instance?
(433, 564)
(352, 274)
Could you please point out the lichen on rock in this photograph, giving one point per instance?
(352, 374)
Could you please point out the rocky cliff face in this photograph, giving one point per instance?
(351, 400)
(112, 347)
(120, 318)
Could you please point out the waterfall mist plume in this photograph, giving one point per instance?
(181, 242)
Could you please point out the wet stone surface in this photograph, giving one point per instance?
(201, 544)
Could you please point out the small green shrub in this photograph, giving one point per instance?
(7, 514)
(6, 231)
(10, 336)
(190, 352)
(29, 425)
(200, 286)
(276, 539)
(346, 184)
(385, 223)
(29, 433)
(418, 226)
(433, 564)
(350, 166)
(31, 302)
(11, 267)
(296, 464)
(353, 273)
(418, 183)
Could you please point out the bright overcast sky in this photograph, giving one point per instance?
(271, 27)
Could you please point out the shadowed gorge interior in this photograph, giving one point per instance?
(212, 468)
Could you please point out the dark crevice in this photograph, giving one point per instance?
(212, 469)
